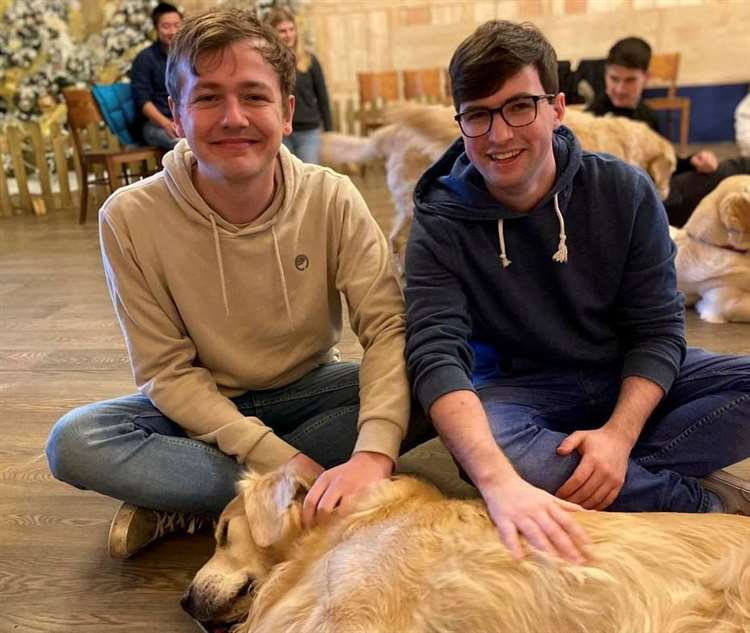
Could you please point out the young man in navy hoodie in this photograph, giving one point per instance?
(545, 333)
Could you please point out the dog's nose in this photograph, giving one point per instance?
(187, 602)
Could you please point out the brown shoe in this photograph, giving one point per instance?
(733, 492)
(133, 528)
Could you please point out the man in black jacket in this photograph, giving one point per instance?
(147, 79)
(626, 74)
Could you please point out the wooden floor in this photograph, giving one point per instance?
(60, 347)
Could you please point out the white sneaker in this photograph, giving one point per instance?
(733, 492)
(133, 528)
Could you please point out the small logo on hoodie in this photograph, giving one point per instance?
(301, 262)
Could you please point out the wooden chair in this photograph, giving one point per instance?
(664, 67)
(375, 90)
(85, 122)
(424, 85)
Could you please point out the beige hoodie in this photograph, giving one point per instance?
(211, 310)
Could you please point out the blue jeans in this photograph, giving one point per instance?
(305, 145)
(701, 425)
(125, 448)
(157, 136)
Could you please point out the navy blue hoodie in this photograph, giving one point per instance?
(614, 301)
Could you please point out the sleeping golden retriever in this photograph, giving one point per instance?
(417, 135)
(408, 560)
(713, 253)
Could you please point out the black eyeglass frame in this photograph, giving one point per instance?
(499, 110)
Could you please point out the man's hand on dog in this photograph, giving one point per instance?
(547, 523)
(336, 487)
(600, 475)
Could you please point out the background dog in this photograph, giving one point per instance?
(713, 256)
(408, 560)
(417, 135)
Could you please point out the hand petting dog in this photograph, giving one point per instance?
(336, 487)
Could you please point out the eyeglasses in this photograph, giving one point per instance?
(517, 112)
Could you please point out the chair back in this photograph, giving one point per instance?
(380, 86)
(665, 67)
(424, 84)
(83, 115)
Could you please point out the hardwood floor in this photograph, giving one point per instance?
(60, 347)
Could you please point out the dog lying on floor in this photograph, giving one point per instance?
(417, 135)
(713, 253)
(407, 560)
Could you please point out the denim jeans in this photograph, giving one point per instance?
(701, 425)
(305, 145)
(157, 136)
(125, 448)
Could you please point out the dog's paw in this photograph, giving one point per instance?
(708, 312)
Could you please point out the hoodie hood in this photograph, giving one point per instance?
(178, 176)
(453, 187)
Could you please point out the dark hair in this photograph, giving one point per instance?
(214, 30)
(162, 9)
(496, 51)
(631, 52)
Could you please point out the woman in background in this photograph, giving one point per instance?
(311, 110)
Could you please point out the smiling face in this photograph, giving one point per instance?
(624, 85)
(517, 163)
(167, 27)
(233, 115)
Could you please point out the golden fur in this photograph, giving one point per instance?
(408, 560)
(417, 135)
(713, 277)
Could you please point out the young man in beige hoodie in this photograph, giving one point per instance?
(226, 271)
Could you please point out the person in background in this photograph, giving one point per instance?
(311, 110)
(626, 75)
(742, 126)
(147, 79)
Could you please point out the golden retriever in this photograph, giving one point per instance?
(407, 560)
(713, 253)
(417, 135)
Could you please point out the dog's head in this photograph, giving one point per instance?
(734, 214)
(254, 533)
(722, 218)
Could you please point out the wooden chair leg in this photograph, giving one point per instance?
(112, 168)
(684, 127)
(84, 191)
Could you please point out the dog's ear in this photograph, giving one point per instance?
(273, 506)
(734, 215)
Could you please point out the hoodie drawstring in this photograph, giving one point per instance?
(561, 254)
(501, 234)
(217, 249)
(284, 288)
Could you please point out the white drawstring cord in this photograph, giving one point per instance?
(561, 255)
(501, 234)
(217, 248)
